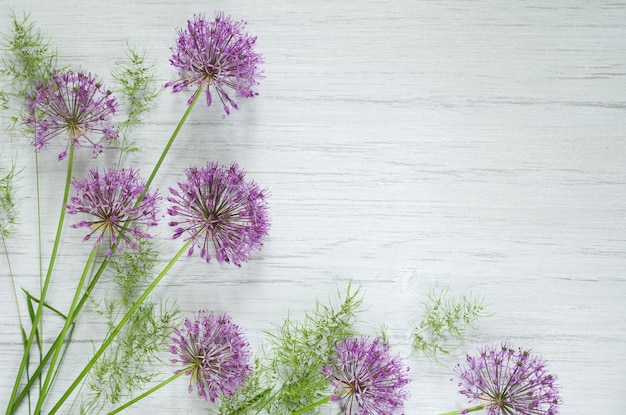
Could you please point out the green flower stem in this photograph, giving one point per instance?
(39, 241)
(59, 341)
(37, 186)
(170, 142)
(46, 284)
(117, 329)
(40, 261)
(311, 406)
(148, 392)
(464, 411)
(58, 346)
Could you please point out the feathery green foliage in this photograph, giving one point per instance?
(138, 92)
(4, 101)
(287, 373)
(28, 59)
(130, 362)
(444, 322)
(132, 270)
(8, 210)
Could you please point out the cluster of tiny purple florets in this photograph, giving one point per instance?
(110, 198)
(508, 381)
(366, 378)
(220, 212)
(214, 352)
(217, 55)
(74, 104)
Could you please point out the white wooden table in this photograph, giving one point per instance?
(408, 146)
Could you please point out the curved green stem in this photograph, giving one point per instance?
(46, 284)
(148, 392)
(311, 406)
(464, 411)
(170, 142)
(58, 346)
(39, 239)
(117, 328)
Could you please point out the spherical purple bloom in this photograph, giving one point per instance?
(73, 103)
(366, 378)
(508, 381)
(111, 199)
(216, 54)
(219, 208)
(215, 353)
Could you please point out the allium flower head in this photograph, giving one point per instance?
(74, 104)
(220, 212)
(215, 353)
(110, 198)
(216, 55)
(508, 381)
(366, 378)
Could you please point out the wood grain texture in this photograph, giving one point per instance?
(408, 145)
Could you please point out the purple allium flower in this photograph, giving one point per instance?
(110, 198)
(215, 353)
(508, 381)
(217, 207)
(216, 54)
(366, 377)
(73, 103)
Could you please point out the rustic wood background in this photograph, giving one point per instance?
(408, 146)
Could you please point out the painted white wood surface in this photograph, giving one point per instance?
(408, 145)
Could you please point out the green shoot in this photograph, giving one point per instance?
(8, 207)
(29, 58)
(444, 322)
(138, 92)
